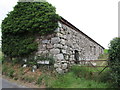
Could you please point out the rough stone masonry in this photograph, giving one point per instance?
(68, 45)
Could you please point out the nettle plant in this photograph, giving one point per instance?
(21, 25)
(114, 61)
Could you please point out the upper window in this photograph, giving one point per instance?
(90, 48)
(94, 50)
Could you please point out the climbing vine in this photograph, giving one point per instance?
(21, 25)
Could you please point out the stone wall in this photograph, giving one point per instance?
(64, 44)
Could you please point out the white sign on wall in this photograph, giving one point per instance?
(43, 62)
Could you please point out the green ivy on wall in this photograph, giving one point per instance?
(22, 24)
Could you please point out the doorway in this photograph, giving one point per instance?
(76, 57)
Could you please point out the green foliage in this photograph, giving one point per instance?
(40, 79)
(1, 57)
(31, 61)
(104, 56)
(114, 60)
(104, 76)
(16, 61)
(28, 79)
(46, 58)
(106, 51)
(4, 69)
(21, 71)
(54, 80)
(86, 72)
(20, 27)
(34, 60)
(70, 80)
(114, 50)
(8, 71)
(92, 73)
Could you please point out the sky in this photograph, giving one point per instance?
(96, 18)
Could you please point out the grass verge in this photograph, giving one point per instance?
(77, 77)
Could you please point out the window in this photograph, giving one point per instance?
(76, 57)
(94, 50)
(100, 51)
(90, 48)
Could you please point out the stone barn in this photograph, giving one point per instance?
(68, 45)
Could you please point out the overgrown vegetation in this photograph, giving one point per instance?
(70, 80)
(114, 61)
(82, 77)
(1, 55)
(77, 77)
(20, 27)
(104, 56)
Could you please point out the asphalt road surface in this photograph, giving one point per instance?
(8, 84)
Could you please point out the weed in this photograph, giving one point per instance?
(85, 72)
(4, 69)
(40, 79)
(10, 73)
(104, 77)
(15, 78)
(28, 79)
(77, 77)
(70, 80)
(21, 71)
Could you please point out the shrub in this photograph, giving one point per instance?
(114, 60)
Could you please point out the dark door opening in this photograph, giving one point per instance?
(76, 57)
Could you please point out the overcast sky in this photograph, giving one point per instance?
(96, 18)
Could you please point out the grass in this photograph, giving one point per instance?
(29, 79)
(80, 77)
(70, 80)
(77, 77)
(1, 56)
(17, 72)
(8, 70)
(104, 56)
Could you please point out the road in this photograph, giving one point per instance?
(8, 84)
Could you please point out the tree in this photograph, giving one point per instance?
(114, 60)
(21, 25)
